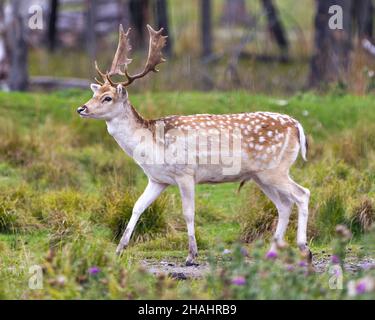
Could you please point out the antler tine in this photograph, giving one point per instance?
(155, 56)
(121, 57)
(103, 75)
(156, 44)
(121, 60)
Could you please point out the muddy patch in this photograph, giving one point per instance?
(351, 264)
(179, 271)
(176, 270)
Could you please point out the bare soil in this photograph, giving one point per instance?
(180, 271)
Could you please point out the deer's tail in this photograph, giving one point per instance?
(303, 142)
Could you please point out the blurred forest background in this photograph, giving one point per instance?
(268, 46)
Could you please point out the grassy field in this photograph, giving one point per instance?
(66, 193)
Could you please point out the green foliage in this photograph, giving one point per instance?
(331, 213)
(287, 275)
(14, 211)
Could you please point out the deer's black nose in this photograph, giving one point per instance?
(81, 109)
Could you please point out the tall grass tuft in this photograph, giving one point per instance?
(117, 209)
(64, 213)
(15, 214)
(331, 213)
(258, 216)
(363, 217)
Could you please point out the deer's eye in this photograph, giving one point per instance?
(107, 99)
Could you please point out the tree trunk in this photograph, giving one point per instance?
(18, 78)
(4, 48)
(91, 7)
(234, 13)
(206, 28)
(139, 17)
(332, 48)
(163, 22)
(363, 12)
(275, 26)
(52, 24)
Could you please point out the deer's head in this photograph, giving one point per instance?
(111, 97)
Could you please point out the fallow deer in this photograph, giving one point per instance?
(262, 145)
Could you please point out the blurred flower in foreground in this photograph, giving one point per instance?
(244, 252)
(226, 251)
(60, 280)
(364, 285)
(290, 267)
(335, 259)
(271, 255)
(239, 281)
(94, 270)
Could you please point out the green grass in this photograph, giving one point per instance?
(66, 190)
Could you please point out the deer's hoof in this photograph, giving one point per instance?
(189, 263)
(119, 251)
(306, 253)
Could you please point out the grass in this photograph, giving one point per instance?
(66, 192)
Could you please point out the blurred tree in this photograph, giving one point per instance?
(330, 60)
(162, 21)
(18, 76)
(52, 24)
(4, 49)
(275, 27)
(139, 17)
(235, 13)
(91, 7)
(363, 14)
(206, 28)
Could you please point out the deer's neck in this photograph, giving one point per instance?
(126, 127)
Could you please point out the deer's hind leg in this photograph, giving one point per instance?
(284, 192)
(283, 205)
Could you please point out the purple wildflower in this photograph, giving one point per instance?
(239, 281)
(335, 259)
(360, 287)
(94, 270)
(244, 252)
(302, 264)
(271, 255)
(290, 267)
(226, 251)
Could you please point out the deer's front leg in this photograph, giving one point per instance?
(152, 191)
(187, 191)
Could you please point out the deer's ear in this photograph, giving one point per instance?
(94, 87)
(121, 91)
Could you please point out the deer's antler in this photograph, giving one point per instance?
(121, 60)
